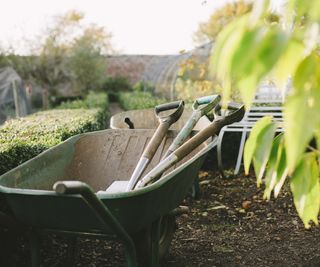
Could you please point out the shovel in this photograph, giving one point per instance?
(200, 107)
(235, 114)
(150, 150)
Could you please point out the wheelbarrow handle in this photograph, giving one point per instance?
(209, 101)
(172, 118)
(194, 142)
(101, 210)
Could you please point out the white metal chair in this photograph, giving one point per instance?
(261, 107)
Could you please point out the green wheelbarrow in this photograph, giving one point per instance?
(143, 220)
(64, 190)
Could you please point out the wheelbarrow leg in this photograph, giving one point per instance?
(35, 248)
(103, 212)
(130, 255)
(72, 251)
(155, 237)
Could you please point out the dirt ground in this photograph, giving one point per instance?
(229, 225)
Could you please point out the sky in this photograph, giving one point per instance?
(138, 26)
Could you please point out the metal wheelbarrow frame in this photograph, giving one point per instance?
(123, 215)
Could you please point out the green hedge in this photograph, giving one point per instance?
(139, 100)
(24, 138)
(92, 100)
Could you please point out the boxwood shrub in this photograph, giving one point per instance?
(139, 100)
(24, 138)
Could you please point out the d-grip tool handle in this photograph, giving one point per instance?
(193, 143)
(154, 143)
(235, 116)
(172, 118)
(165, 123)
(209, 101)
(212, 129)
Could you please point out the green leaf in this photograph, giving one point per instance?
(276, 169)
(226, 41)
(251, 142)
(301, 113)
(220, 61)
(306, 189)
(289, 61)
(282, 170)
(314, 10)
(263, 149)
(258, 51)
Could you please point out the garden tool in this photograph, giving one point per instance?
(164, 123)
(235, 113)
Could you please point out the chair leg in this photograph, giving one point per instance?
(240, 153)
(219, 151)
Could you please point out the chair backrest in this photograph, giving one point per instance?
(257, 112)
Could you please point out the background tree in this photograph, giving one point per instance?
(208, 31)
(68, 51)
(247, 51)
(193, 78)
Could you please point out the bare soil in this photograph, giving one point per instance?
(229, 225)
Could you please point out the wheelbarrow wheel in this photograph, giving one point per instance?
(143, 240)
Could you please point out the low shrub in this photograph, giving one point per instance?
(139, 100)
(143, 86)
(24, 138)
(92, 100)
(114, 85)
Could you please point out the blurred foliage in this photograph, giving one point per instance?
(139, 100)
(68, 51)
(113, 85)
(92, 100)
(250, 49)
(209, 30)
(194, 81)
(144, 86)
(24, 138)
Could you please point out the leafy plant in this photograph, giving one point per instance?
(139, 100)
(143, 86)
(92, 100)
(68, 51)
(114, 85)
(208, 31)
(24, 138)
(250, 49)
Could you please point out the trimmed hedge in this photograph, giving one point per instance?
(92, 100)
(139, 100)
(24, 138)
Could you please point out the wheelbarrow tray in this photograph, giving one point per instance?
(98, 159)
(146, 119)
